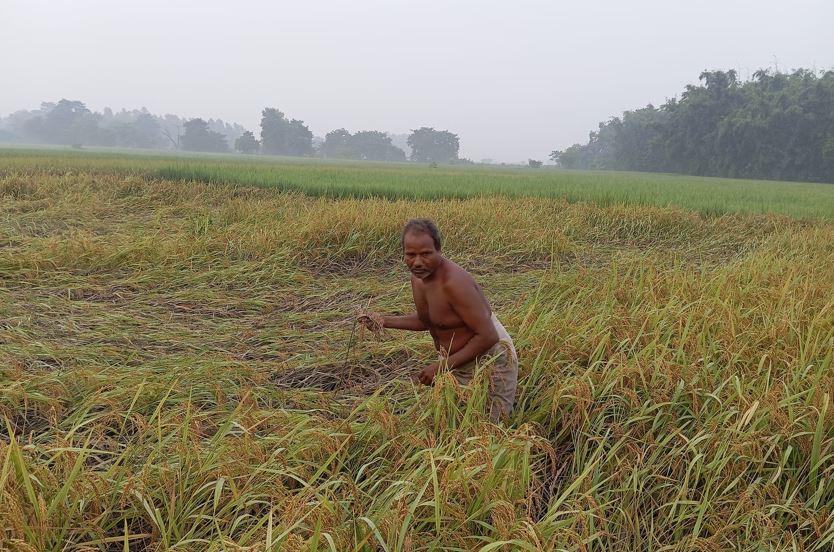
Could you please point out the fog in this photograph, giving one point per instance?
(513, 79)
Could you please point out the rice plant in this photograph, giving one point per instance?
(179, 368)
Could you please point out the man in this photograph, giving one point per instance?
(452, 308)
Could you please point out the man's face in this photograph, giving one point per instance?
(420, 255)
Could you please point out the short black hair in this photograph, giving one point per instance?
(424, 226)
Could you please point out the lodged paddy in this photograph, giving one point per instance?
(175, 370)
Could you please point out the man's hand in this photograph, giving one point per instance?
(371, 320)
(426, 375)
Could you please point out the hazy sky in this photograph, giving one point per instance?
(515, 79)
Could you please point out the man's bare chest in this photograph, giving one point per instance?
(436, 311)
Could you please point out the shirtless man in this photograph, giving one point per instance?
(452, 308)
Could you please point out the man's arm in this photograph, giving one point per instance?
(470, 306)
(405, 322)
(396, 322)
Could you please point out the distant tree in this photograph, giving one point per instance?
(70, 122)
(172, 130)
(337, 144)
(534, 164)
(373, 145)
(33, 129)
(429, 145)
(232, 131)
(67, 122)
(775, 126)
(198, 137)
(246, 143)
(103, 136)
(15, 122)
(280, 136)
(555, 157)
(149, 131)
(401, 141)
(575, 157)
(143, 132)
(368, 145)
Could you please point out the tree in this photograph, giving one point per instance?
(67, 122)
(149, 131)
(372, 145)
(555, 156)
(246, 143)
(433, 146)
(534, 164)
(70, 122)
(775, 126)
(172, 130)
(367, 145)
(575, 157)
(198, 137)
(337, 145)
(143, 132)
(280, 136)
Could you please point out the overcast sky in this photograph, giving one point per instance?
(514, 79)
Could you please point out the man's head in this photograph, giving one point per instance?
(421, 247)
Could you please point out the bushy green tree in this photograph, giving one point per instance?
(337, 145)
(246, 143)
(67, 122)
(433, 146)
(198, 137)
(773, 126)
(373, 145)
(368, 145)
(281, 136)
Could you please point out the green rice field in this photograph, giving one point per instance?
(340, 179)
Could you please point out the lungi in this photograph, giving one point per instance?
(504, 373)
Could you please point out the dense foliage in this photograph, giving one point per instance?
(283, 136)
(71, 122)
(247, 143)
(367, 145)
(774, 126)
(433, 146)
(198, 137)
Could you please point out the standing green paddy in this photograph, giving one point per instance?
(339, 179)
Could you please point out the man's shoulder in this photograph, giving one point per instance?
(456, 276)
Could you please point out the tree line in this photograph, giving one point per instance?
(774, 125)
(70, 122)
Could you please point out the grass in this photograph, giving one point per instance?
(676, 371)
(707, 196)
